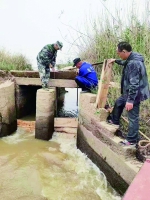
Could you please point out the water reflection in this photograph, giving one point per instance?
(55, 170)
(68, 103)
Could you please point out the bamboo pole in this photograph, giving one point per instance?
(128, 122)
(139, 130)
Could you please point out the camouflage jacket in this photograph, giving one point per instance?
(134, 82)
(47, 55)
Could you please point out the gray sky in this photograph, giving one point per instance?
(27, 25)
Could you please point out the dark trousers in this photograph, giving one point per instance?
(133, 117)
(84, 83)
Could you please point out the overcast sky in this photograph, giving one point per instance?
(27, 25)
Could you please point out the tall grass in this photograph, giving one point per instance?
(102, 43)
(108, 30)
(13, 62)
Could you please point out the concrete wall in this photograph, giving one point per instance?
(96, 139)
(8, 122)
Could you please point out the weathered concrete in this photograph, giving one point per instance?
(5, 75)
(112, 176)
(52, 83)
(66, 122)
(8, 122)
(25, 100)
(66, 125)
(96, 139)
(45, 109)
(54, 75)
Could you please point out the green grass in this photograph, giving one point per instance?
(13, 62)
(102, 42)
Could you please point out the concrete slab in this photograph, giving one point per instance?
(54, 75)
(52, 83)
(65, 122)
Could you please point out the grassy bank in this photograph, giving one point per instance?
(13, 62)
(107, 31)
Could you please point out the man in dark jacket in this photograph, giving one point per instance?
(46, 58)
(87, 77)
(134, 89)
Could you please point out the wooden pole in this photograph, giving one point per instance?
(128, 122)
(139, 130)
(103, 85)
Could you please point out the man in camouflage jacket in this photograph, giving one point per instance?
(134, 89)
(46, 58)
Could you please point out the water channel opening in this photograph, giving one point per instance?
(67, 102)
(26, 101)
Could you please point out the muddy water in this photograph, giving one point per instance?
(32, 169)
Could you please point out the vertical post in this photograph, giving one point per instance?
(8, 121)
(56, 99)
(77, 95)
(45, 109)
(103, 85)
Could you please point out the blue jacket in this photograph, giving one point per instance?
(134, 82)
(87, 71)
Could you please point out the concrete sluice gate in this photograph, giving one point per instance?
(44, 159)
(94, 136)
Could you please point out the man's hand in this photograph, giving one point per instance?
(53, 69)
(77, 71)
(129, 106)
(111, 60)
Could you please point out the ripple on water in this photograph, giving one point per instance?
(53, 170)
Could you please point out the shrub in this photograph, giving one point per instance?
(13, 62)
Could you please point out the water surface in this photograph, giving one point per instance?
(33, 169)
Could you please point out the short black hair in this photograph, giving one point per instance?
(124, 46)
(75, 61)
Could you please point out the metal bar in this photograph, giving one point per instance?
(97, 63)
(77, 95)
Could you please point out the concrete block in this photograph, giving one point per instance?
(45, 108)
(86, 98)
(7, 108)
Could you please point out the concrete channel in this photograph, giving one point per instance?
(22, 93)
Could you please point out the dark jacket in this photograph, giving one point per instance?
(134, 82)
(47, 55)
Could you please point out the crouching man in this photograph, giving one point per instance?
(87, 77)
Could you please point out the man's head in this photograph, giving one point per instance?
(58, 45)
(124, 50)
(77, 62)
